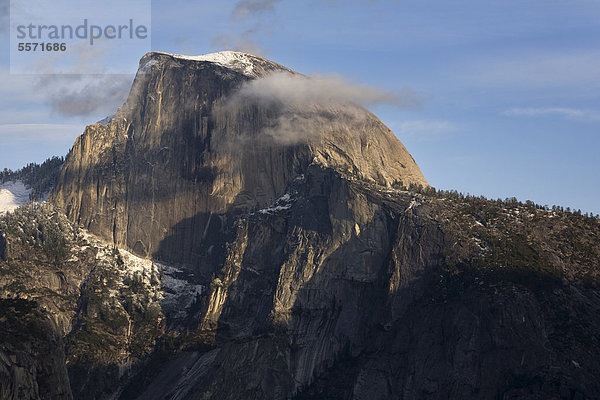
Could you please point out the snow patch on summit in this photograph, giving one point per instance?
(12, 196)
(235, 60)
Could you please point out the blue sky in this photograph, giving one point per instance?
(509, 90)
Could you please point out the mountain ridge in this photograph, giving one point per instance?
(246, 63)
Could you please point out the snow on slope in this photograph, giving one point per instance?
(236, 60)
(13, 195)
(281, 204)
(180, 291)
(177, 290)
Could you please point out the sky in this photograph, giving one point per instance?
(507, 92)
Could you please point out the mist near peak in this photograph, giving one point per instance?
(301, 108)
(298, 90)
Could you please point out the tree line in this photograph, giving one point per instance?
(509, 201)
(40, 178)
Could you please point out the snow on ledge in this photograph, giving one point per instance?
(12, 196)
(281, 204)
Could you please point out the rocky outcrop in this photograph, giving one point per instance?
(38, 262)
(32, 358)
(77, 317)
(497, 340)
(177, 161)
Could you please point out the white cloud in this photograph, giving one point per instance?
(575, 69)
(299, 90)
(570, 113)
(301, 108)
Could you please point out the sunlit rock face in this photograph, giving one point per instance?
(186, 153)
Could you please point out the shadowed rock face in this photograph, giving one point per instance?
(346, 291)
(340, 290)
(177, 161)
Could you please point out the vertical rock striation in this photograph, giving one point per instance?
(175, 163)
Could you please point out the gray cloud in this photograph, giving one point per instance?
(244, 8)
(85, 95)
(238, 42)
(81, 93)
(243, 37)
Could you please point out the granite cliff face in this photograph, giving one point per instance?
(178, 160)
(284, 267)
